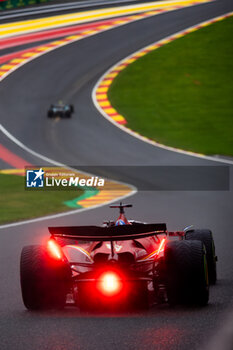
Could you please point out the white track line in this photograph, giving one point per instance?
(140, 137)
(53, 162)
(56, 216)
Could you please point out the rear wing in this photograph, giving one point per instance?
(113, 233)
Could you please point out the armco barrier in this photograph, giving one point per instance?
(10, 4)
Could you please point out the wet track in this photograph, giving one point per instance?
(70, 73)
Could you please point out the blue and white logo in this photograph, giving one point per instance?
(35, 178)
(120, 222)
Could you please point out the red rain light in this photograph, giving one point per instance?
(54, 249)
(110, 283)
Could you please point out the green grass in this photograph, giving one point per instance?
(182, 94)
(16, 203)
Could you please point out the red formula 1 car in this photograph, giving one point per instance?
(120, 264)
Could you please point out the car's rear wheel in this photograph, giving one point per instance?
(50, 114)
(186, 273)
(44, 281)
(68, 114)
(207, 238)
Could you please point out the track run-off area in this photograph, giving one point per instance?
(70, 69)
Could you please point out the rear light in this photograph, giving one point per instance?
(55, 250)
(110, 283)
(161, 246)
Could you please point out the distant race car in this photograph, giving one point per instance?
(60, 110)
(120, 264)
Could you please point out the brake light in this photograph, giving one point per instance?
(110, 283)
(54, 249)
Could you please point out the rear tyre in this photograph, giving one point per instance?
(206, 237)
(50, 114)
(45, 281)
(186, 273)
(68, 114)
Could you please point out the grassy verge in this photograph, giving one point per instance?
(181, 94)
(18, 204)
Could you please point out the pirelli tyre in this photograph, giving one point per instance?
(50, 113)
(207, 238)
(68, 114)
(44, 281)
(186, 273)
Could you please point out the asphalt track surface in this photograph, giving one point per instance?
(70, 73)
